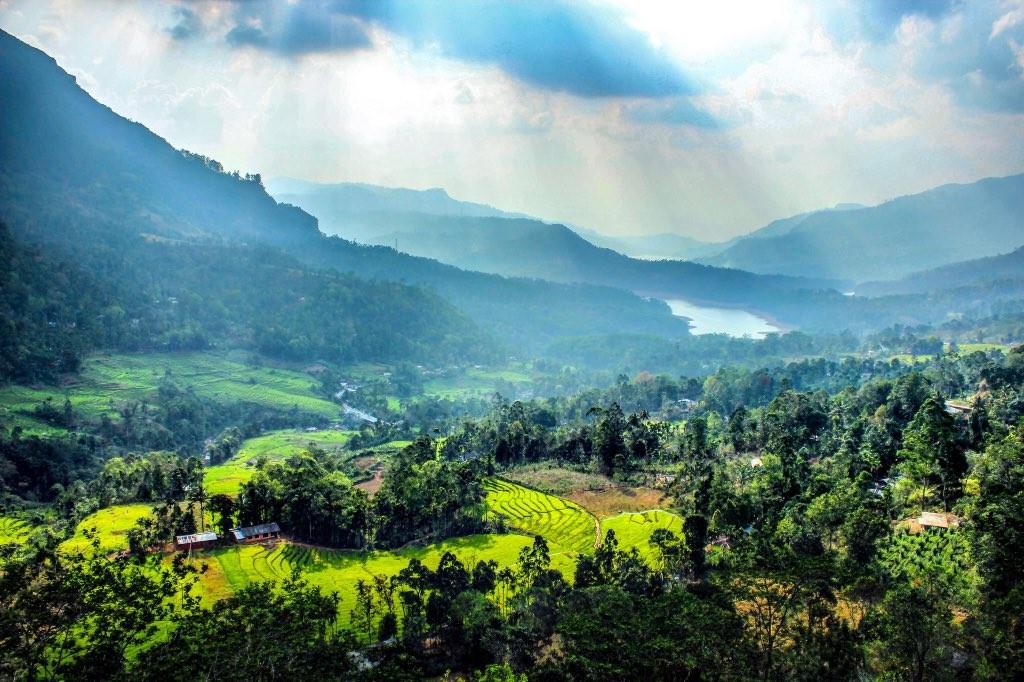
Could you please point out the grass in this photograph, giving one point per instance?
(13, 530)
(277, 445)
(473, 383)
(111, 526)
(634, 529)
(967, 348)
(233, 568)
(220, 376)
(566, 526)
(558, 480)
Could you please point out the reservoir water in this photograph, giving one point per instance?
(707, 320)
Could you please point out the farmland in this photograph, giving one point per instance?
(476, 383)
(107, 379)
(566, 526)
(13, 530)
(111, 524)
(233, 568)
(276, 445)
(634, 529)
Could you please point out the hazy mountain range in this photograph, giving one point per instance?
(106, 195)
(894, 239)
(90, 186)
(832, 247)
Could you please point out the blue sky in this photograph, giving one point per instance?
(706, 119)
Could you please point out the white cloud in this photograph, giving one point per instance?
(813, 119)
(1010, 19)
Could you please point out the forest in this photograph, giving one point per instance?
(233, 446)
(833, 520)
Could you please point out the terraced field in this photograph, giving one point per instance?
(220, 376)
(13, 530)
(634, 529)
(233, 568)
(474, 383)
(276, 445)
(111, 526)
(566, 526)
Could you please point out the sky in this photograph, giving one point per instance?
(707, 119)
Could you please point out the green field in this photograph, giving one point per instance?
(111, 526)
(219, 376)
(233, 568)
(473, 383)
(566, 526)
(276, 445)
(634, 530)
(13, 530)
(968, 348)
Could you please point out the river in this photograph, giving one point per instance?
(731, 321)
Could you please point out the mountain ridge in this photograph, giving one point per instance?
(943, 225)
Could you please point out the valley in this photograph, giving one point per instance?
(639, 410)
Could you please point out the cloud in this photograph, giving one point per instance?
(188, 24)
(677, 111)
(291, 30)
(1012, 18)
(577, 48)
(981, 67)
(879, 21)
(881, 18)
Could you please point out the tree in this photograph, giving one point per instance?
(76, 615)
(223, 506)
(609, 445)
(264, 631)
(932, 452)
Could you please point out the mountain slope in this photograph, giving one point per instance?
(937, 227)
(347, 199)
(526, 247)
(1009, 266)
(91, 186)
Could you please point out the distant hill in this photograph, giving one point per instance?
(894, 239)
(335, 204)
(1009, 266)
(381, 215)
(667, 245)
(104, 193)
(525, 247)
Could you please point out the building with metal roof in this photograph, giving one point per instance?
(195, 540)
(264, 531)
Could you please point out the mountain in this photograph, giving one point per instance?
(667, 245)
(105, 194)
(1009, 266)
(894, 239)
(380, 215)
(329, 202)
(526, 247)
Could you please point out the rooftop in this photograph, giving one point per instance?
(252, 531)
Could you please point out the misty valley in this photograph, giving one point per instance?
(323, 420)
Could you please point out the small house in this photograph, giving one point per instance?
(938, 520)
(194, 541)
(264, 531)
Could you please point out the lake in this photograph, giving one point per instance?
(731, 321)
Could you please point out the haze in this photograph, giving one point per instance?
(626, 117)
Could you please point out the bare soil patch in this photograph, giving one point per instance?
(613, 501)
(372, 485)
(558, 481)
